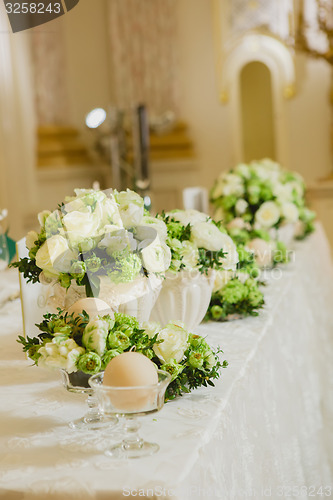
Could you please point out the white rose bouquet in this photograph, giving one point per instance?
(197, 243)
(84, 344)
(264, 195)
(94, 236)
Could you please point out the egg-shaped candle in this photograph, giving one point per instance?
(131, 381)
(91, 305)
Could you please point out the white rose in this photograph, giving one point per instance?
(290, 212)
(30, 239)
(207, 235)
(60, 355)
(51, 254)
(95, 335)
(149, 224)
(263, 251)
(221, 279)
(190, 254)
(107, 213)
(174, 343)
(42, 216)
(151, 328)
(131, 208)
(241, 206)
(156, 256)
(117, 240)
(283, 192)
(243, 170)
(190, 216)
(231, 260)
(79, 226)
(233, 185)
(268, 214)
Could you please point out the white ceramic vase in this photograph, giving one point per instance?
(185, 297)
(136, 298)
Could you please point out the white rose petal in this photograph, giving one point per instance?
(42, 216)
(268, 214)
(131, 208)
(30, 239)
(190, 254)
(290, 212)
(51, 252)
(174, 343)
(241, 206)
(147, 224)
(80, 226)
(190, 216)
(156, 256)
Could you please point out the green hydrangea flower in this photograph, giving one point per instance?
(93, 264)
(118, 340)
(255, 297)
(196, 359)
(234, 292)
(216, 311)
(89, 362)
(78, 270)
(173, 368)
(95, 335)
(122, 319)
(125, 269)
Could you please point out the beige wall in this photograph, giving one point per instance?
(87, 59)
(200, 108)
(308, 113)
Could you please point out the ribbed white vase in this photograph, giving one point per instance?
(185, 297)
(136, 298)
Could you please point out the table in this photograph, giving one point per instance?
(265, 430)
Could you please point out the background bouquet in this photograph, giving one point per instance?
(236, 294)
(83, 344)
(263, 194)
(197, 242)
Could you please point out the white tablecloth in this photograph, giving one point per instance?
(265, 430)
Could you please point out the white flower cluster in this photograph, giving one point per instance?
(102, 226)
(203, 234)
(260, 193)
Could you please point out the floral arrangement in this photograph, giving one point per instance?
(264, 195)
(197, 242)
(268, 252)
(237, 294)
(96, 235)
(78, 343)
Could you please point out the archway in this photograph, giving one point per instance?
(257, 110)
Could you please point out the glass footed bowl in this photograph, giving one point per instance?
(78, 382)
(129, 403)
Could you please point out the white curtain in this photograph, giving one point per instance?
(17, 126)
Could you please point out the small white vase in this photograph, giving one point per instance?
(136, 298)
(185, 297)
